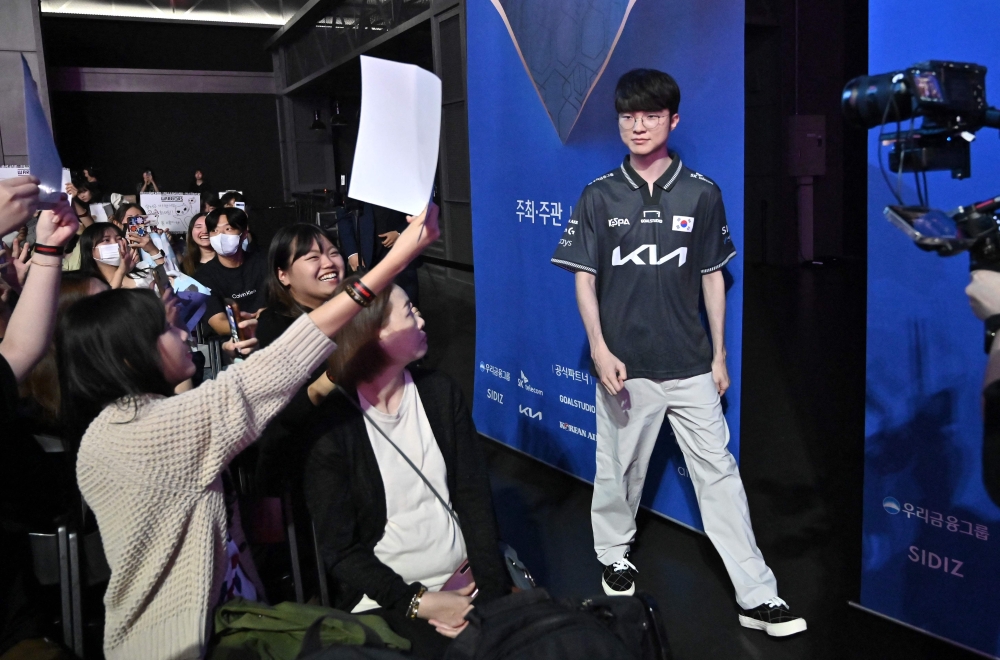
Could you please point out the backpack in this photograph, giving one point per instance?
(530, 625)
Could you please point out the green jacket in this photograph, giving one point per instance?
(276, 632)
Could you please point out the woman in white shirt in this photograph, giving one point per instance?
(385, 537)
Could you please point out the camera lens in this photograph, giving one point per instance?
(865, 99)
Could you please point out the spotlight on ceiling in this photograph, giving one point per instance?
(338, 118)
(317, 124)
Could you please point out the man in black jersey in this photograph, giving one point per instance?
(646, 240)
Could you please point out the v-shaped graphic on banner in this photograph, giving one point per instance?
(565, 46)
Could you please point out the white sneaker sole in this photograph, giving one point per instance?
(774, 629)
(611, 592)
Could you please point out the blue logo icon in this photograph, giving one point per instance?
(482, 366)
(891, 505)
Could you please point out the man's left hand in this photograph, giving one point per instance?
(720, 375)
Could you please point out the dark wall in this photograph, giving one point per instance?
(111, 44)
(232, 138)
(799, 55)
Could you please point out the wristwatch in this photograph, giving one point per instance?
(992, 324)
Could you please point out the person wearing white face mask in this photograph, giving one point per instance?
(105, 255)
(235, 273)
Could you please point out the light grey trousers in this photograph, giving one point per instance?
(627, 427)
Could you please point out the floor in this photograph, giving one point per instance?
(802, 452)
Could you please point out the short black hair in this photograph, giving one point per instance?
(236, 218)
(231, 196)
(647, 90)
(106, 349)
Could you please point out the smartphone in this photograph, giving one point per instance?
(138, 225)
(233, 315)
(161, 278)
(461, 578)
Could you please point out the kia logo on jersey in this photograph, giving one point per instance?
(635, 257)
(683, 223)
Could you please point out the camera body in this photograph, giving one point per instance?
(949, 96)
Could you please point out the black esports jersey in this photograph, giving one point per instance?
(649, 253)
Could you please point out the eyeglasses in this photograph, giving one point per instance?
(627, 122)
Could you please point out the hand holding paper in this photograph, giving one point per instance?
(43, 156)
(18, 202)
(398, 136)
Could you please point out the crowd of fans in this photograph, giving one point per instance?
(96, 351)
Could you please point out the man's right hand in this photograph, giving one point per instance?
(353, 261)
(18, 202)
(610, 370)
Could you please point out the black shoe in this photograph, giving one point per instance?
(619, 578)
(773, 618)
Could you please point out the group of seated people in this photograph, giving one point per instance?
(383, 454)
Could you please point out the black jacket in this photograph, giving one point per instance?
(991, 440)
(346, 497)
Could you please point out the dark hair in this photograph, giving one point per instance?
(106, 349)
(292, 242)
(89, 169)
(236, 218)
(119, 217)
(88, 239)
(210, 199)
(231, 196)
(192, 251)
(150, 170)
(42, 383)
(358, 355)
(647, 90)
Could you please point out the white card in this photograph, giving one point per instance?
(398, 136)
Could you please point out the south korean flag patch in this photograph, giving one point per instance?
(683, 223)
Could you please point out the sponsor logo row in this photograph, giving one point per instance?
(936, 519)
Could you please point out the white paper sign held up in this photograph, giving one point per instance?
(398, 136)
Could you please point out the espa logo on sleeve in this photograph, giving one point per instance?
(635, 257)
(618, 222)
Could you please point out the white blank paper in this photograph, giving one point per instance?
(398, 136)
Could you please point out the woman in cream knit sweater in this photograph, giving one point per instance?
(150, 465)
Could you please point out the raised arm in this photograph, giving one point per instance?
(422, 231)
(240, 402)
(29, 330)
(609, 368)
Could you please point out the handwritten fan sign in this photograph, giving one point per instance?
(171, 211)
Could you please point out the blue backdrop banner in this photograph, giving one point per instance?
(542, 125)
(930, 556)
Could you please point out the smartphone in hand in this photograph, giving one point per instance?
(161, 278)
(233, 315)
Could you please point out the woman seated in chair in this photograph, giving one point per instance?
(384, 535)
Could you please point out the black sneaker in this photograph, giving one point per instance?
(619, 578)
(772, 617)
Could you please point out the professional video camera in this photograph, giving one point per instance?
(950, 97)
